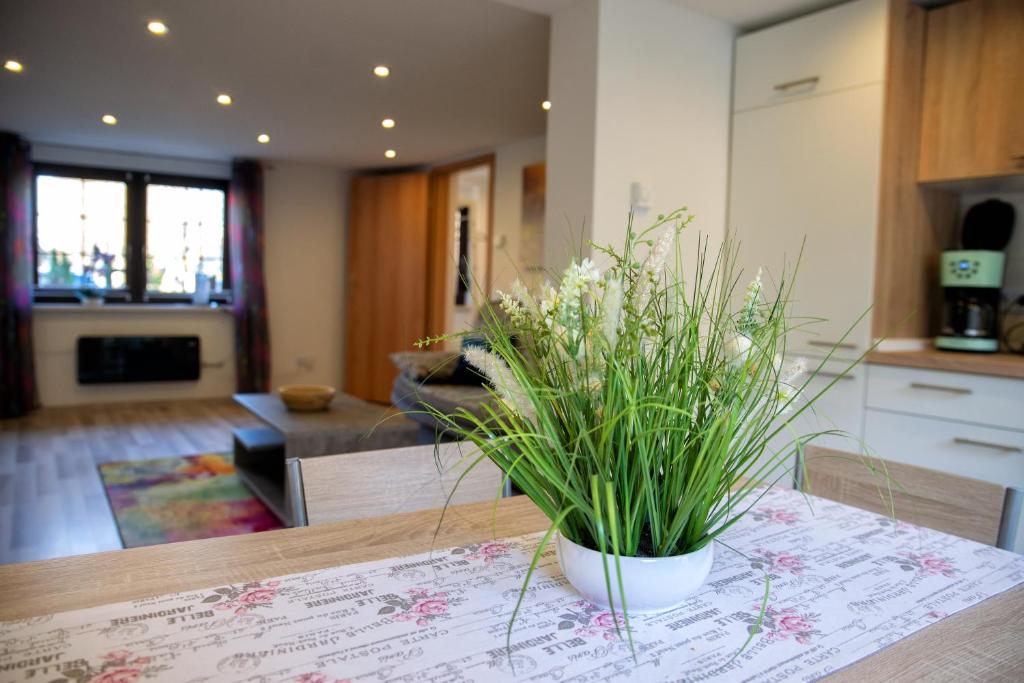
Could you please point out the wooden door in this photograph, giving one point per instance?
(387, 276)
(972, 122)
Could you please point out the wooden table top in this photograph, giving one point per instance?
(980, 643)
(994, 364)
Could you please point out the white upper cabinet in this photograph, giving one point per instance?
(825, 52)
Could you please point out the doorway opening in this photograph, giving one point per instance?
(460, 244)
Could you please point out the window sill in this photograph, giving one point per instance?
(130, 308)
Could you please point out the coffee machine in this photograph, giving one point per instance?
(972, 280)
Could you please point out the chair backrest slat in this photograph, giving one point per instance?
(946, 502)
(386, 482)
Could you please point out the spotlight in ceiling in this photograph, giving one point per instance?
(263, 138)
(224, 99)
(390, 154)
(546, 105)
(14, 66)
(157, 27)
(109, 119)
(381, 71)
(387, 123)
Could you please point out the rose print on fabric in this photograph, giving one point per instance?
(116, 666)
(926, 564)
(241, 600)
(783, 624)
(590, 620)
(774, 515)
(319, 677)
(420, 605)
(777, 562)
(488, 552)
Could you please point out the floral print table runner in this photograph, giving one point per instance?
(844, 584)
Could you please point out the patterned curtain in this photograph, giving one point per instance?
(17, 369)
(249, 297)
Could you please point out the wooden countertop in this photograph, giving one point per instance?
(979, 643)
(995, 364)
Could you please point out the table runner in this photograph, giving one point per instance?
(844, 584)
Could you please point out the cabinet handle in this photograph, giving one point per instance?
(830, 345)
(940, 387)
(985, 444)
(810, 80)
(1019, 156)
(832, 375)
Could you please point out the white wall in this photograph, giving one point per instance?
(572, 89)
(306, 209)
(56, 329)
(664, 93)
(509, 161)
(647, 84)
(304, 262)
(60, 154)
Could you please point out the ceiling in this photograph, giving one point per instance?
(745, 14)
(465, 75)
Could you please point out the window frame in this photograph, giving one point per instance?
(135, 234)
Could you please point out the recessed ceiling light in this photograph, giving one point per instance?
(388, 123)
(224, 99)
(109, 119)
(381, 71)
(263, 138)
(13, 65)
(546, 105)
(157, 27)
(390, 154)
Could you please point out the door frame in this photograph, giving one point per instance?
(439, 235)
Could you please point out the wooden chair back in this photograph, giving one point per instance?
(387, 482)
(946, 502)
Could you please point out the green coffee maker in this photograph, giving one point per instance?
(972, 280)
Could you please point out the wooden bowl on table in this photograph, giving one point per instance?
(306, 398)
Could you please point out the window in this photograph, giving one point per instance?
(135, 237)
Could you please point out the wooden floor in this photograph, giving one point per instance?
(52, 502)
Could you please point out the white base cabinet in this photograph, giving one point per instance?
(969, 425)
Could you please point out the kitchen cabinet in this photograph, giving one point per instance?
(972, 117)
(805, 167)
(962, 424)
(824, 52)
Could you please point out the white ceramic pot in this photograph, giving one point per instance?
(651, 584)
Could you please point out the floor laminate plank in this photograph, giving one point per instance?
(52, 501)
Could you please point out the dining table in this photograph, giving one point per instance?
(851, 596)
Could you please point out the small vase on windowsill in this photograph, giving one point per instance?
(90, 298)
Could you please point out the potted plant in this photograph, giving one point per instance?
(635, 407)
(90, 297)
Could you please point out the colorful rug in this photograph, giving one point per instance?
(181, 499)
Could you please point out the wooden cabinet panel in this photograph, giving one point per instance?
(973, 111)
(386, 304)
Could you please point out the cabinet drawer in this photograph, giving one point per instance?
(995, 455)
(984, 400)
(827, 51)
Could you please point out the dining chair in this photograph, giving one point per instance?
(970, 508)
(386, 482)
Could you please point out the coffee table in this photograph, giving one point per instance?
(348, 425)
